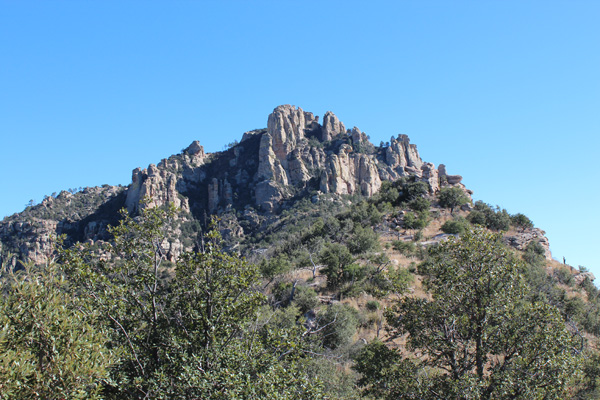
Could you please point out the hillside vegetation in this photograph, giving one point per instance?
(343, 298)
(303, 262)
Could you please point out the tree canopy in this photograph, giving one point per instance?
(49, 347)
(452, 197)
(189, 329)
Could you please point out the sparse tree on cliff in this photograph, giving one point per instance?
(521, 221)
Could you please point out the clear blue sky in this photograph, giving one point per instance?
(505, 93)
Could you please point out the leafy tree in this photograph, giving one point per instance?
(132, 296)
(275, 266)
(479, 338)
(521, 221)
(187, 331)
(387, 193)
(413, 190)
(498, 220)
(385, 374)
(456, 226)
(337, 260)
(452, 197)
(418, 221)
(50, 347)
(477, 217)
(362, 240)
(399, 279)
(484, 215)
(364, 213)
(419, 204)
(590, 387)
(305, 298)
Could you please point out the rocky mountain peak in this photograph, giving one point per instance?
(286, 125)
(295, 156)
(195, 149)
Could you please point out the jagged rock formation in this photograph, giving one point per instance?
(331, 127)
(450, 179)
(158, 184)
(343, 162)
(295, 156)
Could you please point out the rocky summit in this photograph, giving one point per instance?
(295, 153)
(296, 156)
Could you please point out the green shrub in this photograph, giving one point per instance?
(406, 248)
(477, 217)
(484, 215)
(387, 193)
(575, 309)
(418, 236)
(499, 220)
(338, 323)
(275, 266)
(305, 298)
(400, 278)
(337, 259)
(456, 226)
(412, 267)
(51, 345)
(564, 276)
(534, 254)
(419, 204)
(372, 305)
(416, 221)
(281, 293)
(412, 190)
(452, 197)
(362, 240)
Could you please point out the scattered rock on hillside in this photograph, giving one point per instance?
(521, 239)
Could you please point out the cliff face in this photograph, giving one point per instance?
(81, 216)
(295, 153)
(294, 156)
(297, 149)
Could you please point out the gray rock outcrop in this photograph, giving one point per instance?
(331, 127)
(582, 276)
(520, 240)
(402, 158)
(450, 179)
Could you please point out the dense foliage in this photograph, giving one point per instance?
(188, 331)
(49, 348)
(478, 336)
